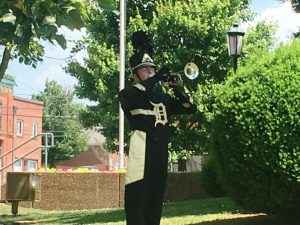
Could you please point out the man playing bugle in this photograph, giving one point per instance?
(148, 111)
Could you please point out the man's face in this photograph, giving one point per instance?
(143, 73)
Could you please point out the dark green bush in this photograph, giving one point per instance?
(209, 178)
(256, 131)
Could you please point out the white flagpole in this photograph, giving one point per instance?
(122, 79)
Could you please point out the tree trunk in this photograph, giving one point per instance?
(4, 62)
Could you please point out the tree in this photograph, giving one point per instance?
(24, 23)
(296, 7)
(260, 38)
(181, 31)
(256, 125)
(60, 116)
(295, 4)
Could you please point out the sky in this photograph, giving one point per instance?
(31, 81)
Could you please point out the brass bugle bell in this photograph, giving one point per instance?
(191, 70)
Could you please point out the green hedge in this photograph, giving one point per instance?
(92, 190)
(256, 131)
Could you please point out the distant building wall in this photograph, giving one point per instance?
(20, 119)
(30, 113)
(195, 162)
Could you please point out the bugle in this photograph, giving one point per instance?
(191, 71)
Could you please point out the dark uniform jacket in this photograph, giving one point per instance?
(148, 113)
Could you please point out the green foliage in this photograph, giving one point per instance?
(259, 38)
(196, 32)
(256, 129)
(60, 116)
(23, 20)
(296, 5)
(209, 178)
(182, 31)
(22, 23)
(104, 90)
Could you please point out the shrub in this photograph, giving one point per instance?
(209, 178)
(256, 131)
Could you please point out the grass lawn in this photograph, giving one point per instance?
(214, 211)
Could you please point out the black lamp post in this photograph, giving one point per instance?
(235, 42)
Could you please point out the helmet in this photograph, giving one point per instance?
(139, 60)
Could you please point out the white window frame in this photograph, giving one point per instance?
(35, 165)
(20, 127)
(18, 165)
(1, 145)
(34, 129)
(1, 109)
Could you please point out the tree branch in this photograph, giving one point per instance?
(4, 62)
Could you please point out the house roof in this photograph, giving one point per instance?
(94, 155)
(28, 100)
(94, 136)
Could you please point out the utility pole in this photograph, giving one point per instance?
(122, 78)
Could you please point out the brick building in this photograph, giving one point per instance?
(94, 159)
(20, 120)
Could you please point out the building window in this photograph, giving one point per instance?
(1, 115)
(20, 127)
(1, 144)
(18, 166)
(34, 129)
(31, 165)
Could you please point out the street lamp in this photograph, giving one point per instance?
(235, 42)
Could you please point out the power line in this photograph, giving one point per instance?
(16, 115)
(51, 96)
(51, 116)
(61, 116)
(4, 107)
(50, 57)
